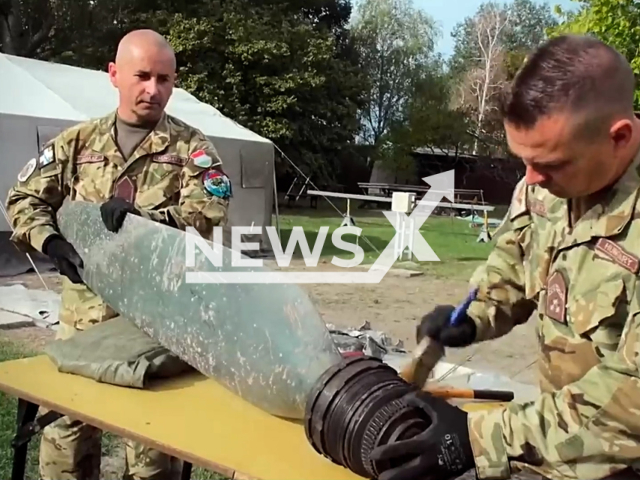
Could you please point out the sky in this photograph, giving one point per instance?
(448, 13)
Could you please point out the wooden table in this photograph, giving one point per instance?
(191, 417)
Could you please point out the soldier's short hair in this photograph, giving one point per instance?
(573, 74)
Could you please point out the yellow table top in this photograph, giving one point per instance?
(191, 417)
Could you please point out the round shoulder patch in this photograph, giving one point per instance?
(27, 170)
(217, 183)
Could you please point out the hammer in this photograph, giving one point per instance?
(429, 351)
(471, 393)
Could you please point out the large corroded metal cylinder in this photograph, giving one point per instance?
(265, 342)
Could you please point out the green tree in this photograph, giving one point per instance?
(526, 28)
(286, 69)
(427, 121)
(294, 80)
(490, 47)
(84, 33)
(616, 22)
(25, 25)
(395, 41)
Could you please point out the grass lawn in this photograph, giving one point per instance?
(8, 407)
(452, 239)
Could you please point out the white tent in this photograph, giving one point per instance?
(40, 99)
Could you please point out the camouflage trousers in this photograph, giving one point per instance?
(71, 450)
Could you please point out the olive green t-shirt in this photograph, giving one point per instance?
(129, 136)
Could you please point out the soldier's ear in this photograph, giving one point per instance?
(113, 74)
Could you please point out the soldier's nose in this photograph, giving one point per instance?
(533, 177)
(152, 88)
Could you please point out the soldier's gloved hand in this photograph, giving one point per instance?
(442, 451)
(64, 257)
(114, 211)
(437, 325)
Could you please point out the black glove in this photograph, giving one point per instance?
(443, 451)
(64, 257)
(114, 211)
(437, 325)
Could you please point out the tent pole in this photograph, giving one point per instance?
(275, 197)
(324, 196)
(33, 264)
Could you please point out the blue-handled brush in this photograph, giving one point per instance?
(429, 352)
(461, 309)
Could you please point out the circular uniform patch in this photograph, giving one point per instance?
(217, 183)
(28, 170)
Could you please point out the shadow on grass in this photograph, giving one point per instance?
(453, 248)
(371, 245)
(475, 258)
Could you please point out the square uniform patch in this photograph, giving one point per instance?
(46, 157)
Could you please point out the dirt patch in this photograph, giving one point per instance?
(33, 338)
(44, 281)
(394, 306)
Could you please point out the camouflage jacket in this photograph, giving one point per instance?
(164, 177)
(581, 287)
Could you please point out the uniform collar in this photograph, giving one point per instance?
(612, 214)
(159, 137)
(155, 142)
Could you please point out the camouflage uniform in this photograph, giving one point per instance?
(581, 286)
(164, 179)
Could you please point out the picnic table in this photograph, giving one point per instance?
(466, 200)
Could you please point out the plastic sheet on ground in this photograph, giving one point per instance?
(41, 306)
(380, 345)
(369, 342)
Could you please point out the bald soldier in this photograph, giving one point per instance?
(137, 160)
(567, 255)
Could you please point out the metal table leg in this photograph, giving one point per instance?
(186, 471)
(26, 427)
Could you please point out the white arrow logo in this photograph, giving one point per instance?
(442, 185)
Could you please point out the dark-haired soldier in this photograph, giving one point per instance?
(568, 254)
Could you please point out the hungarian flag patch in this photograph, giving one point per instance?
(201, 159)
